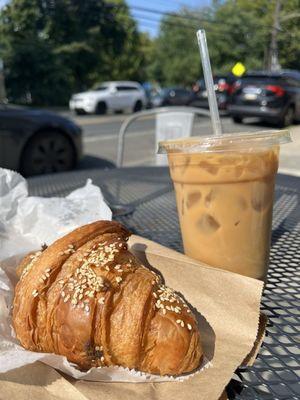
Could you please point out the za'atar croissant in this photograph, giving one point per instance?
(88, 298)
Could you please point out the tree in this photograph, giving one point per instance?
(52, 48)
(176, 56)
(237, 30)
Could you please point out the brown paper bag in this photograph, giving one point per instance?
(229, 303)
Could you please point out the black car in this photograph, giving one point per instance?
(272, 96)
(35, 141)
(223, 88)
(171, 97)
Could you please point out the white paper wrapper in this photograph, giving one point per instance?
(26, 223)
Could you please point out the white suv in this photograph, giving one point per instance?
(109, 96)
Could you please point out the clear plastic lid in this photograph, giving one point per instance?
(247, 141)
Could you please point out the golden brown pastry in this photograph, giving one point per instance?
(88, 298)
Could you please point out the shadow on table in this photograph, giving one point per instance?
(92, 162)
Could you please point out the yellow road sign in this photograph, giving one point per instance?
(238, 69)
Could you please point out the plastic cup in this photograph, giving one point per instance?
(224, 190)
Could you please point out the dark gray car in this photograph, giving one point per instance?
(271, 96)
(36, 141)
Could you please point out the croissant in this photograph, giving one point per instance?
(88, 298)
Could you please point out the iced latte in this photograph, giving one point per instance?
(224, 195)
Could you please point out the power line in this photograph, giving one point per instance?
(169, 2)
(168, 14)
(189, 27)
(187, 17)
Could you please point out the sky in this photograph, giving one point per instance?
(148, 21)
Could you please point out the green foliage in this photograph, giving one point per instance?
(52, 48)
(237, 30)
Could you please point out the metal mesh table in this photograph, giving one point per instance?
(276, 374)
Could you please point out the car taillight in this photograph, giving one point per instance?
(235, 86)
(222, 86)
(277, 90)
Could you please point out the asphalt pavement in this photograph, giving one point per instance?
(101, 134)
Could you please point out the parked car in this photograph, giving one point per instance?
(171, 97)
(109, 96)
(36, 141)
(223, 88)
(271, 96)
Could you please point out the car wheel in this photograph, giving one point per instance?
(138, 106)
(47, 152)
(101, 108)
(237, 120)
(80, 112)
(288, 118)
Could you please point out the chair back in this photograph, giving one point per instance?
(170, 123)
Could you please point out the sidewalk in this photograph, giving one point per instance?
(290, 154)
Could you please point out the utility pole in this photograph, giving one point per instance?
(273, 62)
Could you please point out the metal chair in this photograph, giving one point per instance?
(171, 123)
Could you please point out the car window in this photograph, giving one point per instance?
(99, 88)
(261, 80)
(123, 88)
(181, 92)
(291, 81)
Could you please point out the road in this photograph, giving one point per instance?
(101, 133)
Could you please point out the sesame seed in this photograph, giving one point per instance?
(155, 295)
(164, 311)
(66, 298)
(178, 321)
(119, 279)
(182, 323)
(188, 311)
(97, 348)
(63, 294)
(102, 359)
(189, 327)
(101, 300)
(48, 270)
(35, 293)
(87, 308)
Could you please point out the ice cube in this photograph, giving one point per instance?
(210, 197)
(242, 203)
(193, 198)
(185, 164)
(207, 224)
(209, 167)
(262, 195)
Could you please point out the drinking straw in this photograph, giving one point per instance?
(211, 94)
